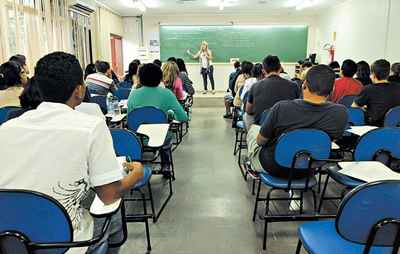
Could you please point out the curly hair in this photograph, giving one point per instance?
(57, 75)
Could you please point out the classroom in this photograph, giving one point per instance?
(199, 126)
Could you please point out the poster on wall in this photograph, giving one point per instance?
(143, 53)
(154, 46)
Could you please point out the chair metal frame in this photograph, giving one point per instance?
(31, 247)
(155, 151)
(301, 154)
(137, 217)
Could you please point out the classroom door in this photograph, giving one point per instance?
(117, 62)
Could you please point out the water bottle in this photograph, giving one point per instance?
(116, 108)
(109, 101)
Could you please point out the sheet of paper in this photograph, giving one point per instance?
(157, 133)
(368, 171)
(334, 146)
(99, 208)
(361, 130)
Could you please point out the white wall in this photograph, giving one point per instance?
(151, 30)
(363, 30)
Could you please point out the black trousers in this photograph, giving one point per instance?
(208, 72)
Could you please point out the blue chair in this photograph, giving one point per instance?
(122, 93)
(145, 115)
(355, 117)
(101, 101)
(347, 100)
(152, 115)
(5, 111)
(127, 144)
(296, 151)
(381, 144)
(368, 221)
(392, 118)
(33, 222)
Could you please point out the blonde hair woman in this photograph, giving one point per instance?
(207, 69)
(172, 81)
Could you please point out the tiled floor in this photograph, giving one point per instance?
(211, 209)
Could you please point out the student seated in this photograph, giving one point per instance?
(314, 111)
(157, 62)
(172, 81)
(21, 60)
(378, 98)
(395, 77)
(257, 74)
(151, 94)
(29, 99)
(131, 79)
(346, 85)
(264, 94)
(335, 66)
(101, 82)
(363, 73)
(245, 74)
(228, 98)
(12, 80)
(65, 153)
(183, 75)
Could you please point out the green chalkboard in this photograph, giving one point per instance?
(250, 43)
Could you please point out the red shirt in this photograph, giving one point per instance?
(344, 87)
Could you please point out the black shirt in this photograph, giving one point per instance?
(265, 93)
(379, 99)
(394, 78)
(286, 116)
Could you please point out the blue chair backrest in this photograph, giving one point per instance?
(314, 142)
(392, 118)
(366, 205)
(101, 101)
(145, 115)
(355, 117)
(126, 84)
(4, 113)
(123, 93)
(126, 144)
(347, 100)
(382, 139)
(37, 216)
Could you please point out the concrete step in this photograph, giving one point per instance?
(208, 100)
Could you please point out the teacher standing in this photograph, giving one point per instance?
(207, 69)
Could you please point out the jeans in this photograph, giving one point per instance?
(210, 73)
(114, 234)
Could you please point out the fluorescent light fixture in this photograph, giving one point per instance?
(300, 4)
(306, 4)
(221, 4)
(293, 3)
(142, 5)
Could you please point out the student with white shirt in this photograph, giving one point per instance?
(207, 69)
(61, 152)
